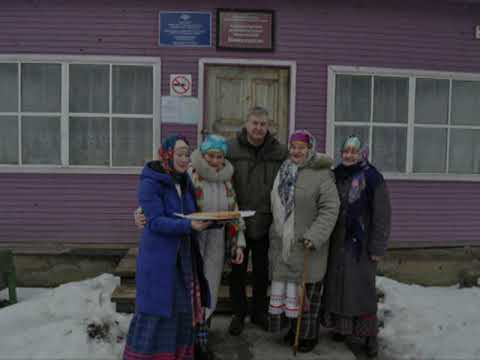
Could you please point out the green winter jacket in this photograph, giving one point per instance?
(255, 171)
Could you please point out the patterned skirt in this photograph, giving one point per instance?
(310, 315)
(358, 326)
(152, 337)
(158, 338)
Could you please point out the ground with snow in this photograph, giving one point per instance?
(434, 323)
(52, 324)
(429, 323)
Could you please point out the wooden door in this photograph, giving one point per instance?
(232, 90)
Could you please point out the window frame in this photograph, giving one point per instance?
(65, 61)
(412, 75)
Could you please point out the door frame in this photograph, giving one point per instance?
(291, 65)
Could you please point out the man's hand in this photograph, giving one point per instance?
(200, 225)
(140, 219)
(238, 256)
(375, 258)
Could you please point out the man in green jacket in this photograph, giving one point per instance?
(256, 156)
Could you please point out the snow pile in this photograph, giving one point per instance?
(60, 323)
(78, 321)
(440, 323)
(23, 293)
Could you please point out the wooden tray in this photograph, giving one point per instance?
(217, 216)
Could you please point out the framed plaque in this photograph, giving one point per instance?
(245, 29)
(184, 28)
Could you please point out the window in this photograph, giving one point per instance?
(77, 114)
(414, 123)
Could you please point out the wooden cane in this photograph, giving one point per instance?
(302, 302)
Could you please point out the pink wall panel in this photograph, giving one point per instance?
(429, 35)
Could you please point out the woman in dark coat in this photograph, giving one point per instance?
(358, 242)
(171, 287)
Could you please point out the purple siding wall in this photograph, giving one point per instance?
(55, 208)
(428, 35)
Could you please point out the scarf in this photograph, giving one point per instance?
(285, 184)
(201, 173)
(363, 179)
(165, 154)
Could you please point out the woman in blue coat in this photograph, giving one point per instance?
(171, 288)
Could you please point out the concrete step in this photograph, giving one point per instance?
(124, 298)
(124, 295)
(126, 269)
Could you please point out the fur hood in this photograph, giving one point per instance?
(318, 162)
(207, 172)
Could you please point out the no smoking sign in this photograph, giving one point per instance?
(180, 85)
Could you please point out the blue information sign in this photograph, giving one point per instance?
(185, 28)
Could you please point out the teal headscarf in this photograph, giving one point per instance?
(352, 141)
(214, 142)
(355, 142)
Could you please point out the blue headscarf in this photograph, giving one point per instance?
(214, 142)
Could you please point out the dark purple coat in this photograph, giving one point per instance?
(349, 288)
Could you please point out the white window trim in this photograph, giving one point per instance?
(291, 65)
(155, 62)
(334, 70)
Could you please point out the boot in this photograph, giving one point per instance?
(337, 337)
(289, 338)
(371, 346)
(261, 320)
(236, 325)
(202, 353)
(307, 345)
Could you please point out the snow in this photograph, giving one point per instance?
(440, 323)
(52, 324)
(436, 323)
(23, 293)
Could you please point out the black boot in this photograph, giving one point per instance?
(371, 346)
(307, 345)
(289, 338)
(202, 353)
(337, 337)
(236, 325)
(261, 320)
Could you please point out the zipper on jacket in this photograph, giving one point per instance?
(180, 196)
(265, 173)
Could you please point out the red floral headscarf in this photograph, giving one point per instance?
(165, 152)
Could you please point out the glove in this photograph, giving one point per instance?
(308, 244)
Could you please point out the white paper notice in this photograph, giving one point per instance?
(180, 110)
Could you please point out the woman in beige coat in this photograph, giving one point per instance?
(305, 207)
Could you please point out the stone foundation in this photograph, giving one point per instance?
(433, 267)
(50, 268)
(429, 267)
